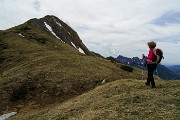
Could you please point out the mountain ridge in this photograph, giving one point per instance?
(174, 68)
(36, 67)
(59, 29)
(161, 70)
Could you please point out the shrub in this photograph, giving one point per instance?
(21, 92)
(127, 68)
(112, 59)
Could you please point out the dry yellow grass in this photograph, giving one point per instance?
(118, 100)
(50, 71)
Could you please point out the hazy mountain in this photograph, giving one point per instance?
(174, 68)
(162, 71)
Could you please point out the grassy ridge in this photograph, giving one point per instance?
(40, 68)
(119, 100)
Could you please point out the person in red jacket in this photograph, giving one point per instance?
(151, 64)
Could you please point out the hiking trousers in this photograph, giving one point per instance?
(150, 79)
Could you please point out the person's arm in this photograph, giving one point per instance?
(150, 55)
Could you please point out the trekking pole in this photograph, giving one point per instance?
(142, 73)
(157, 73)
(143, 62)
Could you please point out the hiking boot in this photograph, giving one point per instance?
(153, 86)
(147, 84)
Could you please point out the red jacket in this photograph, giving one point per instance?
(150, 58)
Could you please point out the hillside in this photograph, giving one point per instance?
(118, 100)
(41, 67)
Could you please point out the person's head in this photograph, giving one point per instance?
(151, 44)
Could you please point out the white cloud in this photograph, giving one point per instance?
(110, 27)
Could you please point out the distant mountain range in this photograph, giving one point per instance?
(162, 71)
(175, 68)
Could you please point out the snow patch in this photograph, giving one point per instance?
(7, 115)
(50, 29)
(81, 51)
(73, 45)
(21, 35)
(59, 24)
(103, 81)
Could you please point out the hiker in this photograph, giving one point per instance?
(151, 64)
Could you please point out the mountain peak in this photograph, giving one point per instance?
(53, 25)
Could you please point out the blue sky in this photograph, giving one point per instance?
(108, 27)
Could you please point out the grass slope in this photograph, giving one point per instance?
(37, 68)
(118, 100)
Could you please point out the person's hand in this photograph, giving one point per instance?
(143, 56)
